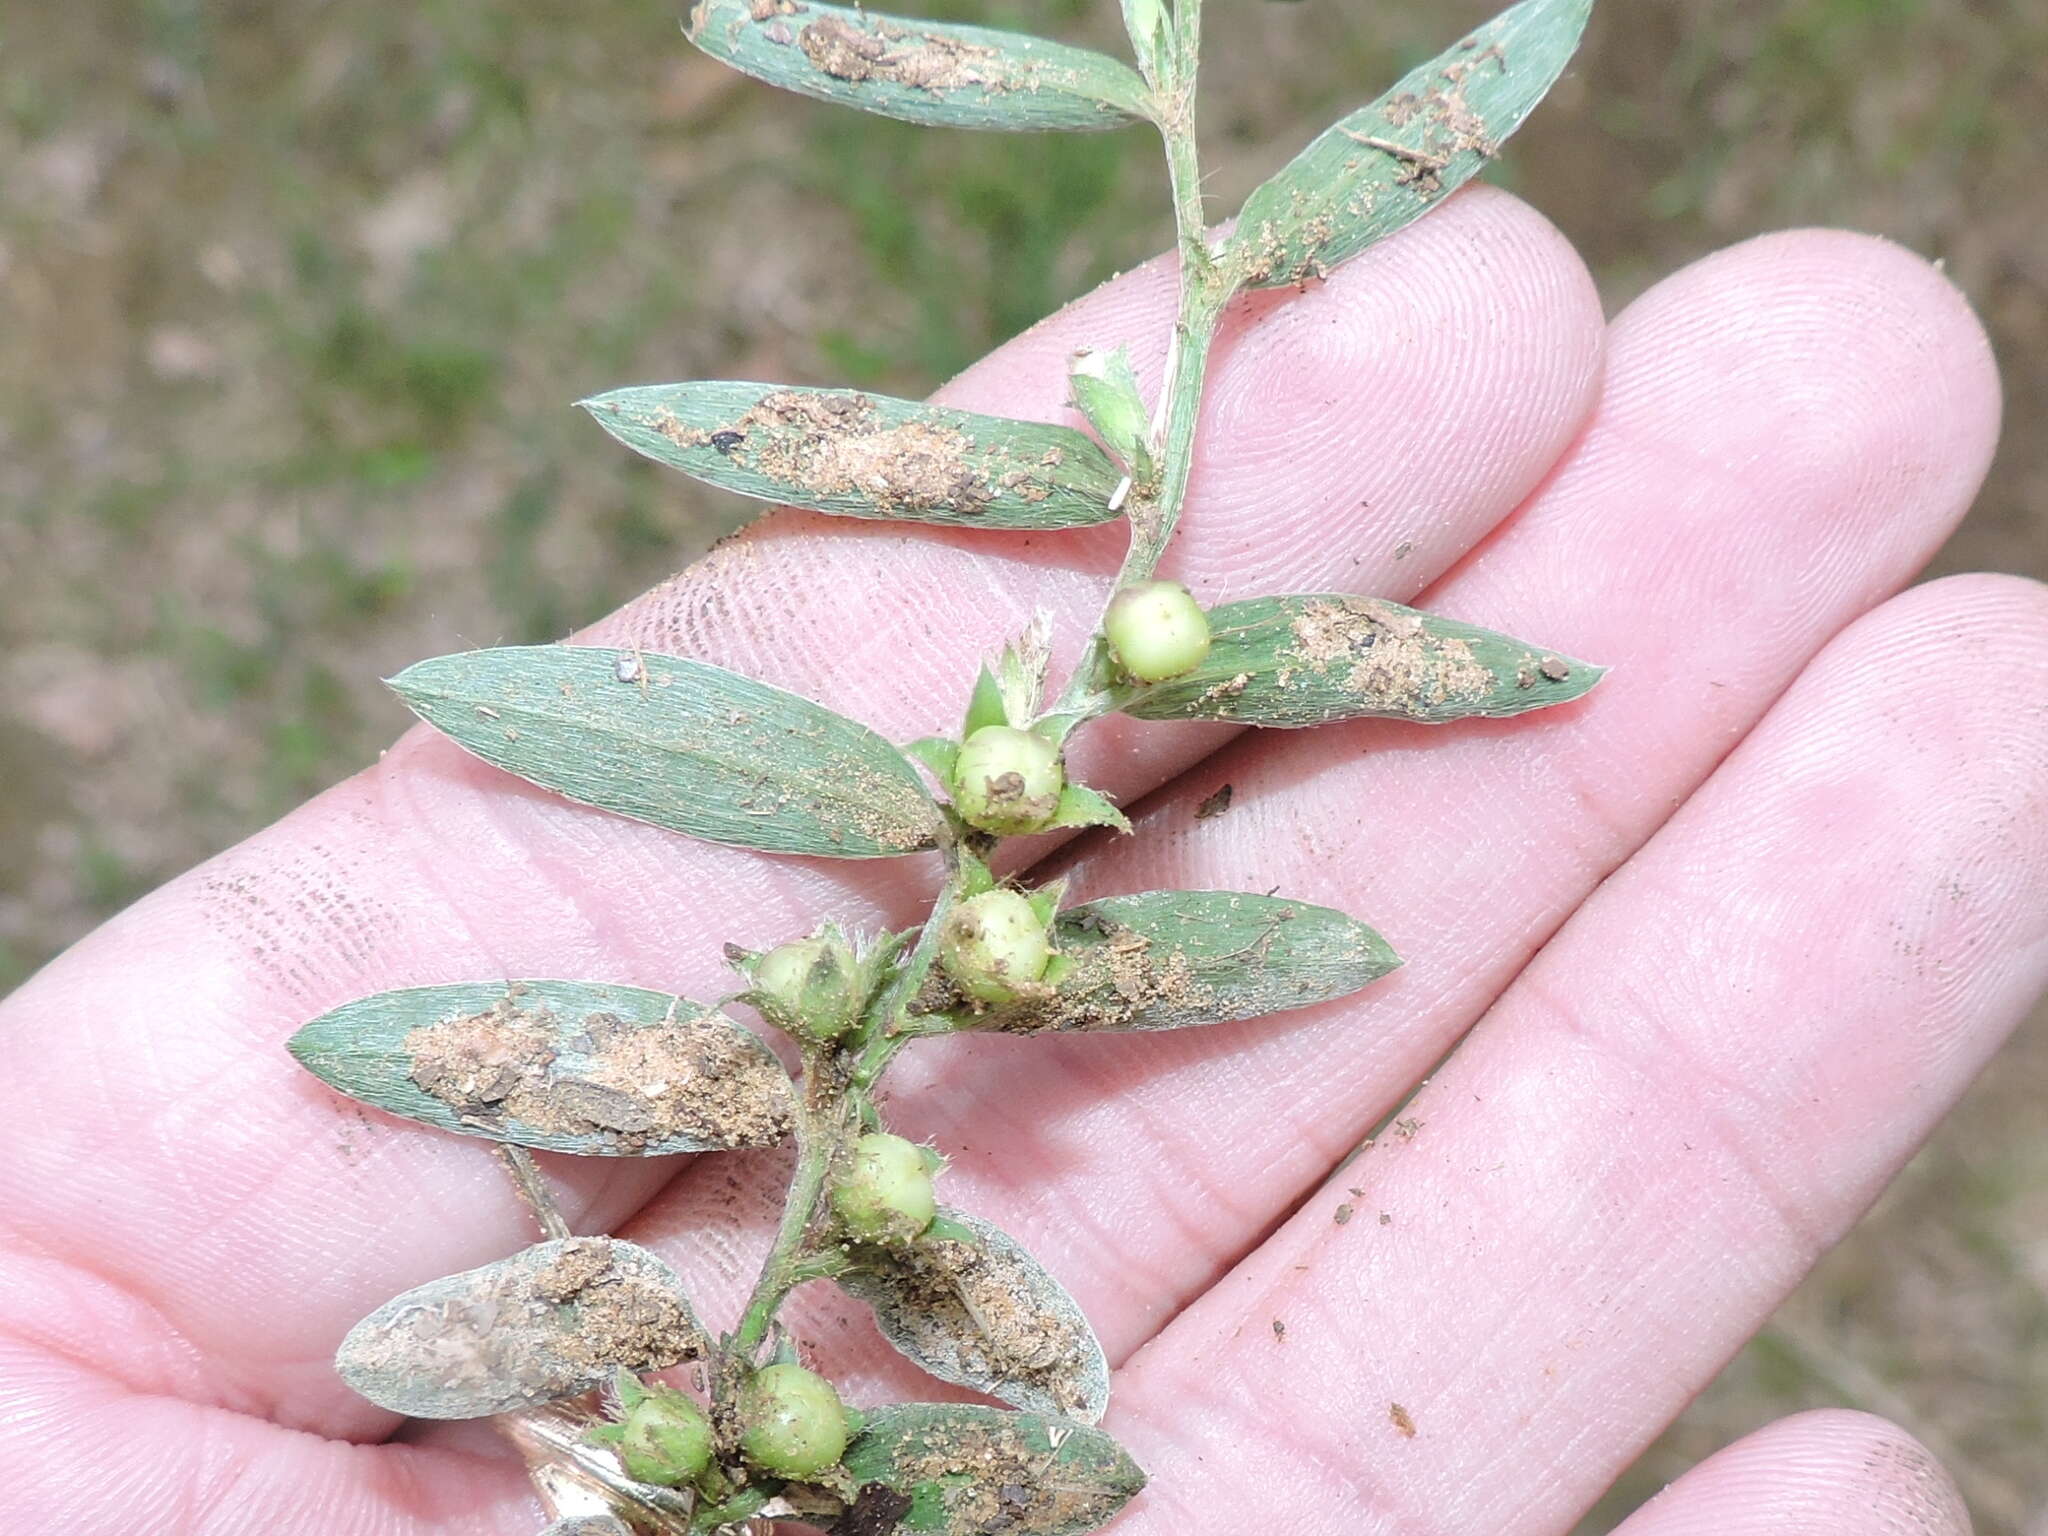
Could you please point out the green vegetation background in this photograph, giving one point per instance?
(294, 294)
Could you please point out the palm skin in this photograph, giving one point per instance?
(1721, 943)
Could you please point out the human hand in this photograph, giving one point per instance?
(1712, 1005)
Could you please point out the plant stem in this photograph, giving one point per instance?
(1204, 291)
(533, 1190)
(820, 1120)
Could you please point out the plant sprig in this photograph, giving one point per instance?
(557, 1339)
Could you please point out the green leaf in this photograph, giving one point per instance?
(544, 1324)
(923, 72)
(859, 455)
(936, 753)
(681, 744)
(587, 1525)
(968, 1304)
(1081, 806)
(985, 705)
(1172, 959)
(1388, 164)
(1314, 660)
(966, 1471)
(567, 1066)
(1106, 391)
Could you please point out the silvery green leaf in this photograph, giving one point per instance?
(587, 1525)
(1388, 164)
(854, 454)
(949, 1469)
(923, 72)
(1314, 660)
(1106, 391)
(1081, 806)
(567, 1066)
(547, 1323)
(681, 744)
(969, 1305)
(936, 753)
(1172, 959)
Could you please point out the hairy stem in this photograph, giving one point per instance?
(821, 1124)
(1204, 290)
(533, 1190)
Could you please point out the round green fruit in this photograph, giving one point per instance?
(793, 1422)
(994, 946)
(808, 986)
(1008, 781)
(666, 1439)
(885, 1195)
(1156, 630)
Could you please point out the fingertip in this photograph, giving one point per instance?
(1856, 361)
(1830, 1472)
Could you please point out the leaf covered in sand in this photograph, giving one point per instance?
(969, 1305)
(1174, 959)
(1389, 163)
(935, 73)
(1315, 660)
(588, 1525)
(949, 1469)
(854, 454)
(682, 744)
(567, 1066)
(547, 1323)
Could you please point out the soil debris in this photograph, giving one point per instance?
(984, 1314)
(1216, 804)
(1403, 1422)
(923, 61)
(552, 1321)
(699, 1078)
(1386, 655)
(830, 444)
(1344, 1214)
(987, 1476)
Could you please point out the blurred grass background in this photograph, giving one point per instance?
(293, 295)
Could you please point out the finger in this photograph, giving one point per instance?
(1851, 389)
(1687, 1097)
(1827, 1473)
(159, 1144)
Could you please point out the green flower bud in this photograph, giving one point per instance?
(885, 1195)
(793, 1422)
(995, 946)
(666, 1439)
(1007, 781)
(810, 986)
(1156, 630)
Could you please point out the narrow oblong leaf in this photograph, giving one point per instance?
(682, 744)
(947, 1469)
(1287, 662)
(1174, 959)
(547, 1323)
(567, 1066)
(968, 1304)
(921, 71)
(588, 1525)
(1389, 163)
(854, 454)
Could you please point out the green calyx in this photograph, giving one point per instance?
(810, 987)
(1156, 630)
(1008, 781)
(995, 946)
(665, 1438)
(885, 1194)
(793, 1424)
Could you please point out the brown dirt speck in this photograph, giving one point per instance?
(1386, 655)
(1402, 1420)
